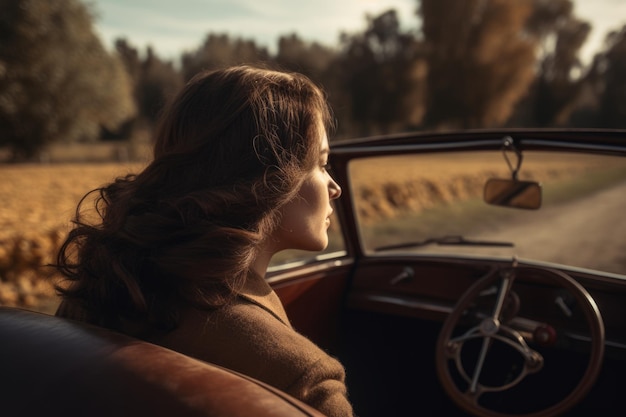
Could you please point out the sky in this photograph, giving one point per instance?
(174, 26)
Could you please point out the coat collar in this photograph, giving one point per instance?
(257, 291)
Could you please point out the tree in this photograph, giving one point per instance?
(220, 51)
(154, 81)
(380, 74)
(57, 82)
(481, 60)
(561, 77)
(309, 58)
(609, 70)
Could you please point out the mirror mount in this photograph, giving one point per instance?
(509, 145)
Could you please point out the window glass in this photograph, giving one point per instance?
(427, 197)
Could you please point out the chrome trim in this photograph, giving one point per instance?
(521, 323)
(331, 255)
(380, 150)
(311, 260)
(361, 151)
(300, 271)
(413, 304)
(587, 339)
(602, 276)
(573, 145)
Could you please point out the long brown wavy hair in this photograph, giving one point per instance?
(231, 149)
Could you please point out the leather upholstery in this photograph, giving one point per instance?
(51, 366)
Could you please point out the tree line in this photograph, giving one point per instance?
(465, 65)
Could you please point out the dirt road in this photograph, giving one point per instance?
(589, 232)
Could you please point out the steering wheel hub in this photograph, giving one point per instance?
(489, 326)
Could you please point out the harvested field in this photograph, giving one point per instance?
(414, 183)
(38, 202)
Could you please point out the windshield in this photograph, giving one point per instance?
(433, 204)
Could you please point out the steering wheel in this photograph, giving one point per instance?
(466, 387)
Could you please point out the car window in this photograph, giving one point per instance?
(438, 198)
(335, 248)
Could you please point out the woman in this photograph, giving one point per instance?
(179, 251)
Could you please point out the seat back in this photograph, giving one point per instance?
(51, 366)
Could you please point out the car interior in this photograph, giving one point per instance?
(476, 274)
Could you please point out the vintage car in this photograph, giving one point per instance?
(475, 273)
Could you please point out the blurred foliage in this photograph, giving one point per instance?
(57, 82)
(462, 65)
(610, 68)
(381, 73)
(481, 60)
(154, 81)
(308, 58)
(560, 81)
(219, 50)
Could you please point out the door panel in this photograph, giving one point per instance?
(313, 297)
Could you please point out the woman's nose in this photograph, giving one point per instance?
(335, 189)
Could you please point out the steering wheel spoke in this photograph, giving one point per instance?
(472, 396)
(508, 277)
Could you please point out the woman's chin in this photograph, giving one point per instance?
(317, 245)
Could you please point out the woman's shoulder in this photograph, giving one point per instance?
(265, 334)
(290, 361)
(249, 339)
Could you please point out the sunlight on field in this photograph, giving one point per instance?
(38, 202)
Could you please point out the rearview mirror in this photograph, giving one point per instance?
(513, 193)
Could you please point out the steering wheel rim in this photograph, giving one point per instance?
(469, 402)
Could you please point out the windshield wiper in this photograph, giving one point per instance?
(445, 240)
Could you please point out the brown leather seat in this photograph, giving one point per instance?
(55, 367)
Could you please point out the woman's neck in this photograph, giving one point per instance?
(262, 262)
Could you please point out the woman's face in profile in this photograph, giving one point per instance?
(306, 218)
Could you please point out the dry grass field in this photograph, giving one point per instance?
(38, 202)
(384, 187)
